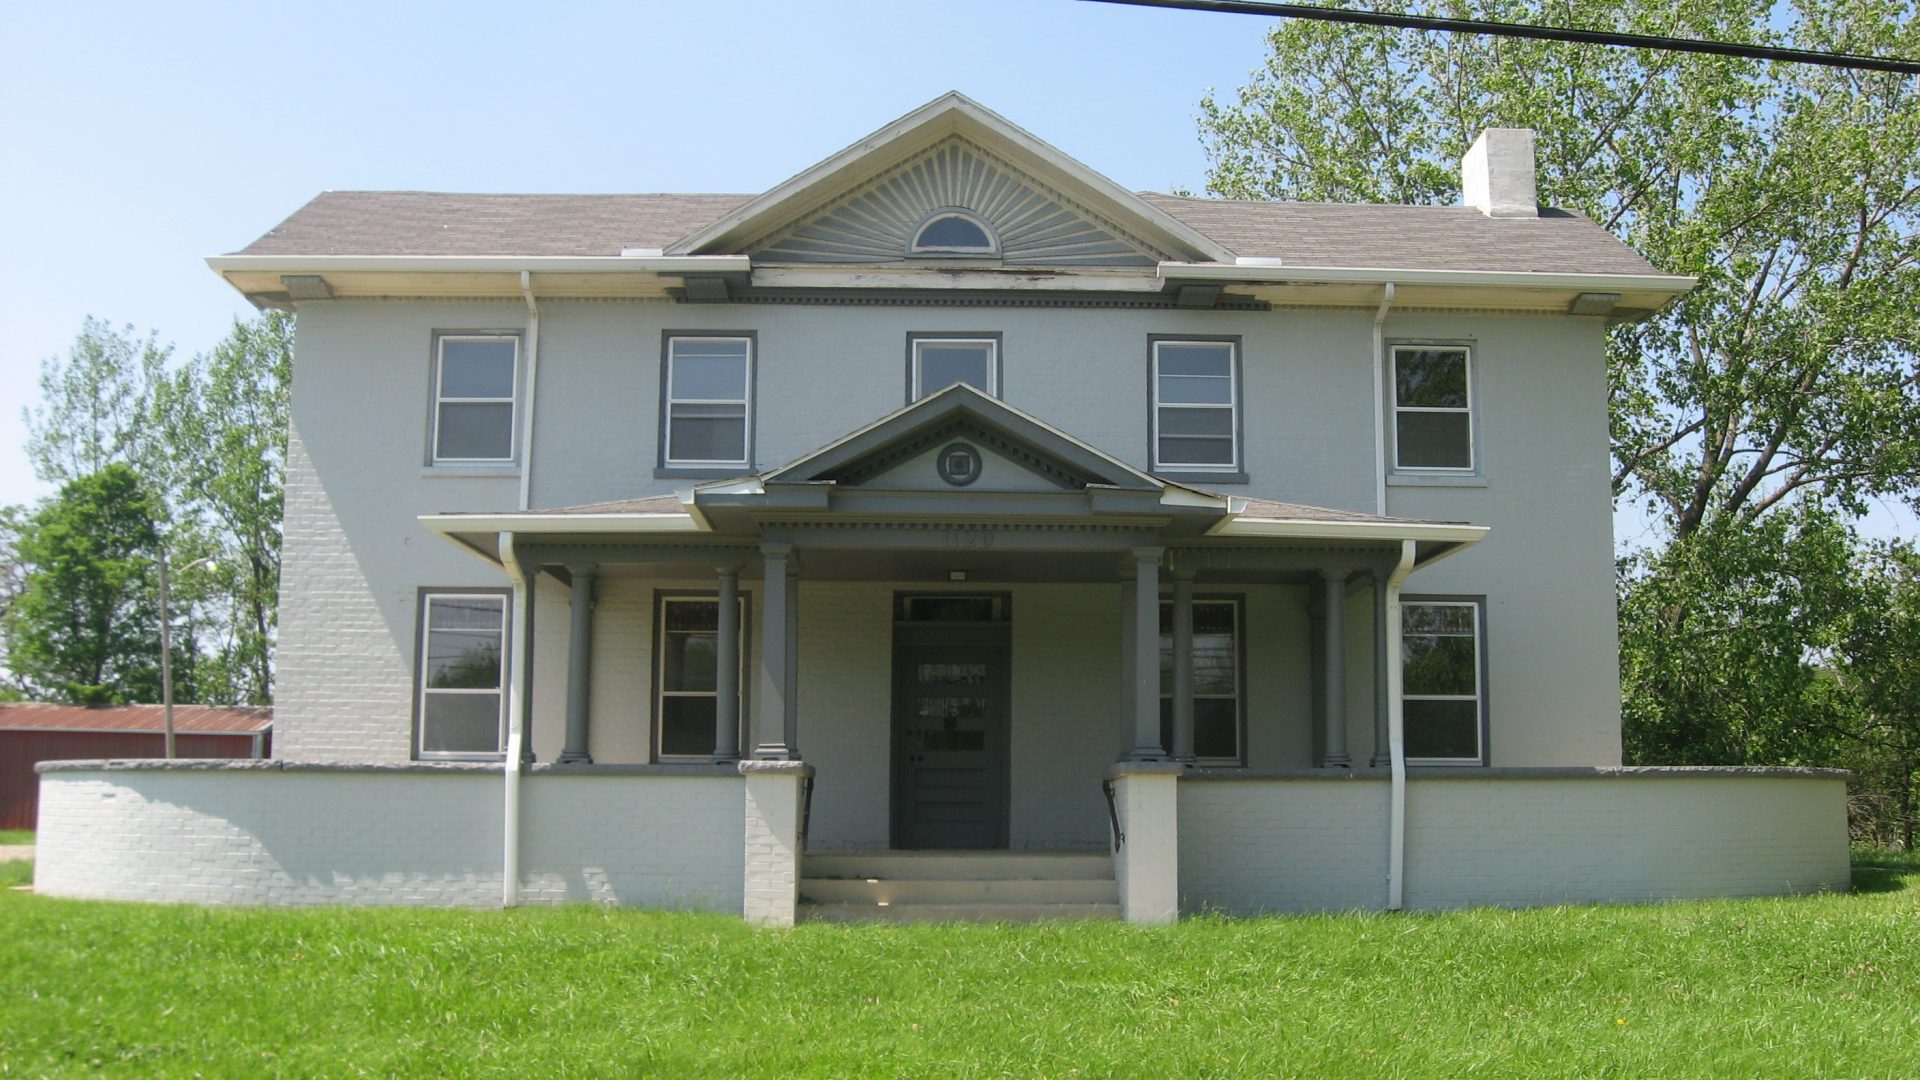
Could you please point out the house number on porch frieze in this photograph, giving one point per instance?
(969, 538)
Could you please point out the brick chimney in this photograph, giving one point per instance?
(1496, 176)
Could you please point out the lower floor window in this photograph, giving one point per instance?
(462, 635)
(1442, 694)
(1216, 679)
(688, 699)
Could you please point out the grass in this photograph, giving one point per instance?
(1811, 985)
(15, 836)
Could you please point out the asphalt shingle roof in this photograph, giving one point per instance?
(1300, 234)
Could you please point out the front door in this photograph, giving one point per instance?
(950, 737)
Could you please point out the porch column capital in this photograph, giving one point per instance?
(1182, 573)
(582, 569)
(776, 551)
(1335, 574)
(1144, 555)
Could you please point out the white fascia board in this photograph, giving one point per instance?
(534, 524)
(1674, 284)
(1350, 530)
(483, 264)
(949, 114)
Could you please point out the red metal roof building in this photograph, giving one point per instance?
(32, 732)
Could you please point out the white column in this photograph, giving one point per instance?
(770, 714)
(1335, 699)
(726, 660)
(1146, 656)
(1183, 665)
(579, 667)
(1146, 867)
(775, 803)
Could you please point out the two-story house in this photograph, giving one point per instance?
(744, 551)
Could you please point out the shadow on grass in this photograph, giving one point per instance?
(1876, 871)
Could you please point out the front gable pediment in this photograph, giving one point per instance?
(866, 203)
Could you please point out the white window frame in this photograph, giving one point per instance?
(1478, 697)
(915, 247)
(1232, 406)
(1395, 408)
(1238, 697)
(993, 360)
(668, 401)
(660, 691)
(440, 399)
(420, 703)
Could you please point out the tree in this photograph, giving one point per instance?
(96, 405)
(1786, 384)
(1879, 668)
(84, 628)
(224, 417)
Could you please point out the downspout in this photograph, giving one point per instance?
(1397, 735)
(1380, 401)
(516, 730)
(533, 377)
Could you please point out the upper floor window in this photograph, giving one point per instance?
(1443, 699)
(708, 401)
(474, 379)
(1432, 408)
(462, 639)
(953, 232)
(1196, 405)
(939, 362)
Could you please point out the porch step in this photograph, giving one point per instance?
(957, 886)
(913, 913)
(959, 865)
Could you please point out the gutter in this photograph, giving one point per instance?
(533, 377)
(483, 264)
(1397, 736)
(1674, 284)
(1380, 401)
(516, 726)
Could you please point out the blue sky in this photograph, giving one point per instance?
(136, 139)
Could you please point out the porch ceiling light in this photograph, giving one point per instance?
(956, 575)
(307, 286)
(1593, 303)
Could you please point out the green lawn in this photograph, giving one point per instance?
(16, 836)
(1807, 986)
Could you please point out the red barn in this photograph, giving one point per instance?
(31, 732)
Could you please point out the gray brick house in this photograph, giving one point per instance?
(948, 532)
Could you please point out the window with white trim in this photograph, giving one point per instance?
(462, 642)
(940, 362)
(1196, 406)
(707, 411)
(953, 233)
(1442, 699)
(1432, 408)
(475, 377)
(1216, 679)
(686, 698)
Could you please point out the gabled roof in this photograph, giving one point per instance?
(1073, 461)
(951, 114)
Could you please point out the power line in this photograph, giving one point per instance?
(1541, 33)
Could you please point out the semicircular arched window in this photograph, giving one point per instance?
(953, 233)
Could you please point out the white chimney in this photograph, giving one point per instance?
(1496, 176)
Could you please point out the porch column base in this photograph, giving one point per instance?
(1146, 799)
(771, 887)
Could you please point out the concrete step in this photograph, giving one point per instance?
(958, 865)
(912, 913)
(965, 891)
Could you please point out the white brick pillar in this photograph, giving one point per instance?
(1146, 798)
(772, 885)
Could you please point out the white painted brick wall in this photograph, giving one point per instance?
(396, 838)
(1626, 839)
(1310, 845)
(771, 874)
(1248, 846)
(1146, 868)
